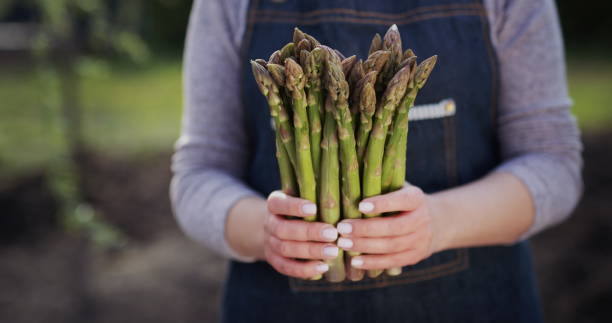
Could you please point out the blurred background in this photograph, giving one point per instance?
(90, 105)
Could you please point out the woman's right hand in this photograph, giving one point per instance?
(294, 247)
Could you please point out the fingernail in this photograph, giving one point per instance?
(322, 268)
(345, 228)
(345, 243)
(309, 208)
(330, 251)
(356, 262)
(330, 234)
(366, 207)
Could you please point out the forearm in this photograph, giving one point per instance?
(495, 210)
(244, 227)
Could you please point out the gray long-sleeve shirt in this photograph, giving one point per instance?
(539, 138)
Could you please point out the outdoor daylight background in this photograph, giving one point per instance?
(90, 106)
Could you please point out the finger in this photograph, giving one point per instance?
(299, 230)
(389, 226)
(295, 268)
(302, 250)
(380, 245)
(406, 199)
(281, 203)
(400, 259)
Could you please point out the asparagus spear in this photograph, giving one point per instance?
(420, 78)
(295, 81)
(347, 65)
(298, 35)
(287, 177)
(313, 41)
(395, 145)
(304, 44)
(337, 89)
(261, 62)
(367, 107)
(287, 51)
(376, 44)
(354, 77)
(275, 58)
(401, 127)
(384, 113)
(392, 42)
(351, 191)
(329, 193)
(376, 61)
(312, 63)
(372, 184)
(270, 90)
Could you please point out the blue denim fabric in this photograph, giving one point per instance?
(494, 284)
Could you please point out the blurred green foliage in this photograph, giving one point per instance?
(132, 109)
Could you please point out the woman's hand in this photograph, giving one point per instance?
(286, 240)
(392, 241)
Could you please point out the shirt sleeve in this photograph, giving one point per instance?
(539, 138)
(211, 154)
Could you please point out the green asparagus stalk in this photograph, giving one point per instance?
(347, 65)
(287, 177)
(376, 44)
(376, 61)
(354, 77)
(261, 62)
(337, 89)
(287, 51)
(392, 42)
(367, 106)
(401, 129)
(295, 81)
(304, 44)
(312, 63)
(275, 58)
(374, 154)
(356, 74)
(270, 90)
(395, 146)
(298, 35)
(372, 181)
(329, 192)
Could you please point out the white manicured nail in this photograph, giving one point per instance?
(330, 234)
(345, 228)
(366, 207)
(356, 262)
(322, 268)
(309, 208)
(345, 243)
(330, 251)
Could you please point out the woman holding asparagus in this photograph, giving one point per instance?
(486, 173)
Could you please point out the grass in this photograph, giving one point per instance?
(136, 109)
(126, 109)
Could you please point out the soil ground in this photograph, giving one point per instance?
(50, 276)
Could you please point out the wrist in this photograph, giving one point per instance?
(442, 228)
(244, 229)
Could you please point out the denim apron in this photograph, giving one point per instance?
(446, 148)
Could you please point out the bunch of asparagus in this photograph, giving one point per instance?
(341, 125)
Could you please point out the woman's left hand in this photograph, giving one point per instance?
(392, 241)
